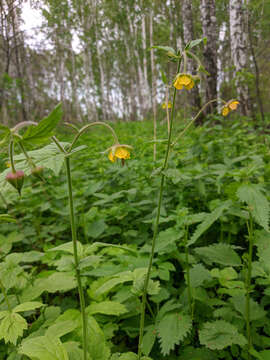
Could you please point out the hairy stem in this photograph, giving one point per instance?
(76, 259)
(155, 233)
(248, 282)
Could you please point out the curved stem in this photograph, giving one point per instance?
(23, 124)
(57, 143)
(5, 295)
(156, 225)
(86, 127)
(194, 119)
(11, 153)
(76, 259)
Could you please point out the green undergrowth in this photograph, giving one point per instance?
(216, 181)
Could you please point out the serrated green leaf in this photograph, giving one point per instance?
(44, 348)
(12, 327)
(149, 339)
(107, 308)
(110, 284)
(172, 329)
(219, 253)
(4, 135)
(30, 305)
(208, 221)
(256, 311)
(97, 347)
(44, 129)
(198, 274)
(258, 204)
(220, 334)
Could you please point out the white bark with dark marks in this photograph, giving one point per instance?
(209, 27)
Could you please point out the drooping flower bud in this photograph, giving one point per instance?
(37, 172)
(16, 179)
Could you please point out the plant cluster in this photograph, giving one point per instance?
(182, 275)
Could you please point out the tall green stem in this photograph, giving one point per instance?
(155, 233)
(76, 259)
(190, 302)
(248, 282)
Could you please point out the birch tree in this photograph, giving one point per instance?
(239, 54)
(188, 32)
(209, 29)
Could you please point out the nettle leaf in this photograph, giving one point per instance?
(262, 355)
(44, 129)
(219, 253)
(172, 329)
(220, 334)
(30, 305)
(256, 311)
(198, 274)
(149, 339)
(97, 347)
(12, 327)
(44, 348)
(209, 219)
(258, 204)
(107, 308)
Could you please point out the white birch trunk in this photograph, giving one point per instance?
(154, 83)
(209, 26)
(239, 53)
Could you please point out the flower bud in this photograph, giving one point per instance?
(16, 179)
(38, 172)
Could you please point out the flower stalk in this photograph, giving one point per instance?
(74, 242)
(248, 283)
(155, 233)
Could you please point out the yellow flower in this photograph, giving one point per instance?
(229, 106)
(225, 111)
(8, 164)
(233, 104)
(169, 105)
(119, 152)
(184, 80)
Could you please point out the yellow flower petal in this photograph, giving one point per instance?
(8, 164)
(111, 157)
(177, 84)
(169, 105)
(233, 104)
(190, 85)
(122, 153)
(225, 111)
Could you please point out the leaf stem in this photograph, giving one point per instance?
(155, 233)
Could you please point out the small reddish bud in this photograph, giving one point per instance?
(38, 172)
(16, 179)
